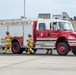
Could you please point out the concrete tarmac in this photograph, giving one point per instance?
(37, 64)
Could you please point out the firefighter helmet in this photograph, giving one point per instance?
(7, 32)
(29, 35)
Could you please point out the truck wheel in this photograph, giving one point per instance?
(16, 48)
(74, 51)
(62, 49)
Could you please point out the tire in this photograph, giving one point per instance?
(63, 49)
(74, 51)
(16, 48)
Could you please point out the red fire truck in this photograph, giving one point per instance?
(47, 34)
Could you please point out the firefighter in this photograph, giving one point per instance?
(8, 44)
(49, 51)
(30, 44)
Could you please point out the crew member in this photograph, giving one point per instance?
(49, 51)
(30, 44)
(8, 44)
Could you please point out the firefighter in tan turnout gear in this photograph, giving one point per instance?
(30, 44)
(8, 44)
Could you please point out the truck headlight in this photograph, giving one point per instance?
(71, 37)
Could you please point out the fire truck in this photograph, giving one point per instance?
(47, 34)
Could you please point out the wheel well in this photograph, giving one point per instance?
(61, 39)
(15, 41)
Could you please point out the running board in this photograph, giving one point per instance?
(44, 47)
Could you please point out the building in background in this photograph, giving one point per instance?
(56, 16)
(63, 16)
(44, 15)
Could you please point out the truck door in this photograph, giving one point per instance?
(40, 35)
(52, 34)
(54, 30)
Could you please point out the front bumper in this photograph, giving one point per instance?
(72, 43)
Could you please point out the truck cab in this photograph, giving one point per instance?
(55, 34)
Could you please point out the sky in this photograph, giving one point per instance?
(14, 9)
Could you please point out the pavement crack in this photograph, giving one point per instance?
(21, 62)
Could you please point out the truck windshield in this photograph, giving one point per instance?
(66, 26)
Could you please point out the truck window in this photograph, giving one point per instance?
(53, 26)
(42, 26)
(66, 26)
(61, 25)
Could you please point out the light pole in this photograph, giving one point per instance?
(24, 8)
